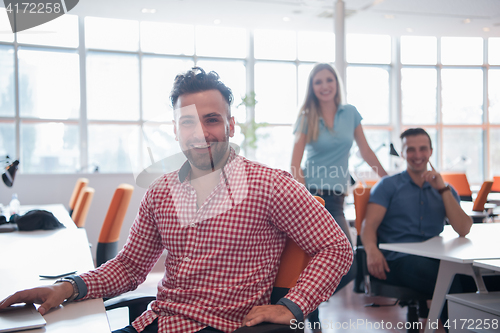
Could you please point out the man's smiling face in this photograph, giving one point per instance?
(417, 151)
(203, 128)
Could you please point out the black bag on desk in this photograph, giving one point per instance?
(36, 220)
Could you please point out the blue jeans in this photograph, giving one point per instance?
(335, 206)
(334, 203)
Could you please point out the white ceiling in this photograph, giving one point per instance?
(394, 17)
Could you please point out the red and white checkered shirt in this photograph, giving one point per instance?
(223, 257)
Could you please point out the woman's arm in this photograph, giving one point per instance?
(297, 154)
(367, 153)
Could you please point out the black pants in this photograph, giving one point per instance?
(420, 274)
(153, 328)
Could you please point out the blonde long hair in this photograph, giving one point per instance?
(310, 110)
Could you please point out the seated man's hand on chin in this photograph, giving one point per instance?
(277, 314)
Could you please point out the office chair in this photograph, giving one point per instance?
(496, 184)
(482, 197)
(361, 197)
(82, 206)
(460, 184)
(107, 244)
(375, 287)
(80, 184)
(292, 262)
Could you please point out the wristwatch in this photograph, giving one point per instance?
(75, 288)
(444, 189)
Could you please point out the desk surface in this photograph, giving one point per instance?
(26, 254)
(493, 264)
(478, 244)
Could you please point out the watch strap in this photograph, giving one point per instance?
(444, 189)
(75, 288)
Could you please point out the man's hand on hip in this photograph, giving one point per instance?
(277, 314)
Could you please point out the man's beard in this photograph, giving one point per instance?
(211, 159)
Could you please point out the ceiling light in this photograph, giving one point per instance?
(286, 19)
(467, 21)
(410, 30)
(148, 10)
(217, 21)
(486, 29)
(389, 16)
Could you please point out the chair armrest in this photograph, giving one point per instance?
(136, 304)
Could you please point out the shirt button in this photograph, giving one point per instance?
(193, 225)
(163, 313)
(168, 300)
(187, 259)
(421, 202)
(421, 217)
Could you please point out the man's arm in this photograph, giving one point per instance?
(313, 229)
(367, 153)
(375, 260)
(297, 154)
(459, 220)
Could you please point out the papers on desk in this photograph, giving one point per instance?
(18, 318)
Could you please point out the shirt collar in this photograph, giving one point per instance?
(340, 108)
(406, 176)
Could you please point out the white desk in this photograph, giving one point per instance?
(26, 254)
(457, 255)
(491, 264)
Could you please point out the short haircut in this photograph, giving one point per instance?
(415, 131)
(197, 80)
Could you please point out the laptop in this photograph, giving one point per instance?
(20, 317)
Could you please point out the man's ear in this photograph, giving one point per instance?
(175, 130)
(231, 127)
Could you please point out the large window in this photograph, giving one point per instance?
(98, 97)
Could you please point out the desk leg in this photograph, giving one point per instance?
(446, 273)
(478, 278)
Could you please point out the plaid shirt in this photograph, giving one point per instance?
(222, 258)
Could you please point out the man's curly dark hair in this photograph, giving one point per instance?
(196, 80)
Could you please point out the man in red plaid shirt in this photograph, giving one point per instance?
(223, 220)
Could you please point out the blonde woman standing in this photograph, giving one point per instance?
(325, 130)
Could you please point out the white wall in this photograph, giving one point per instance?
(50, 189)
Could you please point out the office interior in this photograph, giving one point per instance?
(86, 94)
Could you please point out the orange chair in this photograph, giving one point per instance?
(361, 198)
(460, 183)
(496, 184)
(81, 183)
(107, 245)
(482, 196)
(82, 206)
(371, 182)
